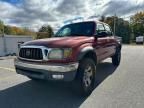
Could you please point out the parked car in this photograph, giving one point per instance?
(140, 40)
(71, 55)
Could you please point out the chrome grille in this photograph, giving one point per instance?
(31, 53)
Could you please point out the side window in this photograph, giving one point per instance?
(107, 28)
(100, 30)
(100, 27)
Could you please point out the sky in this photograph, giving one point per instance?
(35, 13)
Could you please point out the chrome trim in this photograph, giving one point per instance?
(48, 67)
(45, 57)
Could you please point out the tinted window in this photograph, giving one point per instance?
(108, 29)
(100, 30)
(77, 29)
(100, 27)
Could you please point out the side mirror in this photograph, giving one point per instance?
(101, 34)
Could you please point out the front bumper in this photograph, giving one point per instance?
(65, 72)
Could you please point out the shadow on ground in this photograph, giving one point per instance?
(103, 71)
(33, 94)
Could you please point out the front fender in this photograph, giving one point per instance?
(85, 51)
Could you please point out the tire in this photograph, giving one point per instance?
(86, 76)
(116, 58)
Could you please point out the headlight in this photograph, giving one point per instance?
(57, 53)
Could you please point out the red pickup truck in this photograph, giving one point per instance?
(71, 55)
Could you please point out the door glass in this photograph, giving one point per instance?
(108, 30)
(100, 30)
(100, 27)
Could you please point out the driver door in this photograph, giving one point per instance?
(101, 43)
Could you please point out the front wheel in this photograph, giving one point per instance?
(86, 76)
(116, 58)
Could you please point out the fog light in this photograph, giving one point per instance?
(58, 76)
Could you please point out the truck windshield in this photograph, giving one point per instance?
(77, 29)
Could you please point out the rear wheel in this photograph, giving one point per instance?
(86, 76)
(116, 58)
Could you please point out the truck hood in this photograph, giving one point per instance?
(66, 42)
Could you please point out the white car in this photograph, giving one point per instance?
(139, 40)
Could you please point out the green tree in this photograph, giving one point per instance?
(102, 19)
(122, 27)
(1, 27)
(45, 32)
(13, 30)
(9, 30)
(137, 24)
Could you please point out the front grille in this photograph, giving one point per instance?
(31, 53)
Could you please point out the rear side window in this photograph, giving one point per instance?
(100, 27)
(108, 29)
(100, 30)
